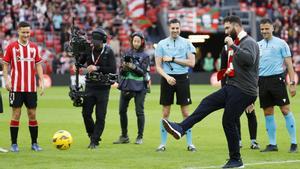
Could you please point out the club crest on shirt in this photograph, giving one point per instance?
(32, 50)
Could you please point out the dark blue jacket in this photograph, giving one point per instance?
(135, 80)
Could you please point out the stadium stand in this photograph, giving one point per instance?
(51, 27)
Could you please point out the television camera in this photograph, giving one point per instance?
(80, 47)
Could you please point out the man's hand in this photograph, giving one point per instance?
(250, 108)
(42, 87)
(8, 85)
(91, 68)
(171, 80)
(130, 65)
(167, 59)
(293, 90)
(229, 41)
(227, 72)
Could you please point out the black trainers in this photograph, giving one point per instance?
(161, 148)
(254, 145)
(293, 148)
(191, 148)
(139, 140)
(173, 128)
(233, 163)
(122, 140)
(270, 148)
(92, 145)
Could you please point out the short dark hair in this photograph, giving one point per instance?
(266, 20)
(233, 19)
(175, 20)
(23, 24)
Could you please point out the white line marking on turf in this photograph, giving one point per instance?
(251, 164)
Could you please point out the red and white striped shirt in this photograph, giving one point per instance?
(22, 59)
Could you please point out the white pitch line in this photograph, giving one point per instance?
(251, 164)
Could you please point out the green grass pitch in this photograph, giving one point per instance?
(55, 112)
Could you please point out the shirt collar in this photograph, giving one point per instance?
(22, 43)
(242, 34)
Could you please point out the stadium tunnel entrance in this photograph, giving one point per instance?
(214, 45)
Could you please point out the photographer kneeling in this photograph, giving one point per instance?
(101, 62)
(133, 84)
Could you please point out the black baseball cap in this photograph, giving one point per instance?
(99, 36)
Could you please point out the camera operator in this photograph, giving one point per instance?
(133, 84)
(100, 61)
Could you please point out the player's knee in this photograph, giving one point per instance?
(166, 112)
(185, 114)
(285, 109)
(166, 115)
(31, 115)
(268, 111)
(16, 116)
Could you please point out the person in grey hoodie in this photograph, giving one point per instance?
(239, 91)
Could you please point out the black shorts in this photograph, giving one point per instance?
(181, 88)
(272, 91)
(16, 99)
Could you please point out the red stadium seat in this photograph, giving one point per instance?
(40, 38)
(49, 44)
(243, 6)
(56, 42)
(39, 32)
(261, 11)
(57, 48)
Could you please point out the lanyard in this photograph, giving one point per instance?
(93, 57)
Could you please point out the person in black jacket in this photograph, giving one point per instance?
(99, 63)
(133, 84)
(239, 91)
(250, 111)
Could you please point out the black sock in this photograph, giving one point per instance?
(252, 124)
(33, 133)
(14, 129)
(14, 134)
(33, 128)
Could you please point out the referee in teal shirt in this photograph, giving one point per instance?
(173, 56)
(274, 53)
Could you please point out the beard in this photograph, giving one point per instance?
(233, 34)
(97, 46)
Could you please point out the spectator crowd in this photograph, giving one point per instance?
(52, 20)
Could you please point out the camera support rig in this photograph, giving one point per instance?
(79, 47)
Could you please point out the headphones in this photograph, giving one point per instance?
(101, 32)
(141, 35)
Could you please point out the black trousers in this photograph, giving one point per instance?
(98, 98)
(234, 102)
(139, 100)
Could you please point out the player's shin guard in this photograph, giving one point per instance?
(14, 129)
(33, 128)
(189, 137)
(291, 126)
(271, 128)
(163, 134)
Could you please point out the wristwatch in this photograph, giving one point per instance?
(292, 82)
